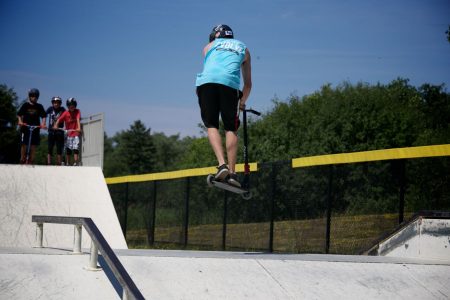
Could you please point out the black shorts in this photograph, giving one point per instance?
(55, 137)
(217, 99)
(25, 135)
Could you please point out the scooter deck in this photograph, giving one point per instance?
(228, 187)
(246, 194)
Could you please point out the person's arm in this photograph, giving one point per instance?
(43, 118)
(55, 126)
(43, 123)
(206, 49)
(20, 116)
(19, 121)
(78, 121)
(247, 76)
(78, 125)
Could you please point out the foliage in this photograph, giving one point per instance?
(170, 151)
(9, 138)
(448, 34)
(132, 151)
(344, 119)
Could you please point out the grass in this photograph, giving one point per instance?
(349, 235)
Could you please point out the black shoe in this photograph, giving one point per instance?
(233, 180)
(222, 173)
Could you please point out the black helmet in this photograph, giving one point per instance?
(71, 101)
(33, 93)
(56, 99)
(225, 32)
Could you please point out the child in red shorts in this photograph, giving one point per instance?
(71, 119)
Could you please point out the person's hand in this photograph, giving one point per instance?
(242, 106)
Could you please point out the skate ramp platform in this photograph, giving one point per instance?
(56, 274)
(426, 235)
(61, 191)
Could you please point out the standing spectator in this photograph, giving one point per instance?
(30, 114)
(55, 136)
(71, 120)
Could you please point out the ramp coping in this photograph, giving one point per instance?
(99, 243)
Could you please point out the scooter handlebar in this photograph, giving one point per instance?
(32, 127)
(253, 112)
(66, 130)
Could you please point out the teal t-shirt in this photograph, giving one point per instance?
(223, 63)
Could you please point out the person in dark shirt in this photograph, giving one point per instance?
(30, 113)
(55, 136)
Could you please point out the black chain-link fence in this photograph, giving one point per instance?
(340, 209)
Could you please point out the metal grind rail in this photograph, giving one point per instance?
(99, 243)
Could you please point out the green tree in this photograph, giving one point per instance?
(113, 165)
(9, 137)
(199, 154)
(170, 151)
(435, 106)
(135, 149)
(448, 34)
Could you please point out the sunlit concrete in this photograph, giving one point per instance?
(60, 191)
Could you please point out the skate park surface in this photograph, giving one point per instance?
(413, 263)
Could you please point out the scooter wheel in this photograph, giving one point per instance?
(247, 195)
(209, 180)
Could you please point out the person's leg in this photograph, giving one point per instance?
(51, 144)
(35, 141)
(59, 141)
(209, 102)
(75, 157)
(59, 159)
(23, 153)
(32, 154)
(68, 150)
(68, 154)
(230, 118)
(24, 136)
(75, 148)
(232, 146)
(216, 143)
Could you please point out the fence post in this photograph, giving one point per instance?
(77, 239)
(40, 235)
(186, 212)
(329, 207)
(224, 224)
(125, 221)
(151, 233)
(272, 207)
(402, 189)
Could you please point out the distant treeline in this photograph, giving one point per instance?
(346, 118)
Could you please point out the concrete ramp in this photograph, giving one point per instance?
(219, 275)
(50, 274)
(59, 191)
(55, 274)
(425, 236)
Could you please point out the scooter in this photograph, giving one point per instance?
(244, 190)
(28, 150)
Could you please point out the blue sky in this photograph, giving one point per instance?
(138, 59)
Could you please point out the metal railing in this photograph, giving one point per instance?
(99, 243)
